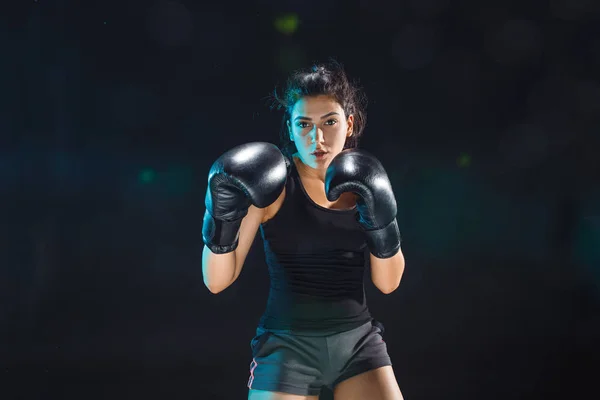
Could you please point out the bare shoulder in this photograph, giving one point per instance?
(273, 209)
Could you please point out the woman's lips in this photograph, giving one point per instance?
(319, 154)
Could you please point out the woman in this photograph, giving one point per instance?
(323, 207)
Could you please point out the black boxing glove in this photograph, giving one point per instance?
(252, 173)
(359, 172)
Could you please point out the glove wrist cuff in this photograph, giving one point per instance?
(220, 236)
(384, 242)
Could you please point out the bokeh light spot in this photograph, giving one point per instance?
(147, 175)
(287, 24)
(463, 160)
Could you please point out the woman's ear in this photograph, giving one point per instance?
(350, 123)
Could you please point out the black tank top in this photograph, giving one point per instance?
(316, 259)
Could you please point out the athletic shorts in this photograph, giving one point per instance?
(301, 364)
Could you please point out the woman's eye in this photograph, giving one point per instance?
(302, 124)
(331, 122)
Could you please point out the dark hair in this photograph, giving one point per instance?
(322, 79)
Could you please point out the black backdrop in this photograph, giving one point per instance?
(485, 114)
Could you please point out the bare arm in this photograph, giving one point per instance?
(386, 273)
(219, 271)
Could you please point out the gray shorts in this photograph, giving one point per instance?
(302, 364)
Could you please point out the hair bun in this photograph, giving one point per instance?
(318, 69)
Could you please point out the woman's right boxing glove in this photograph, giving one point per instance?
(253, 173)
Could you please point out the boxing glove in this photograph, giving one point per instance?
(252, 173)
(359, 172)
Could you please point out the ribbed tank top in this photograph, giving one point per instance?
(316, 260)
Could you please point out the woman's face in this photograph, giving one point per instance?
(319, 128)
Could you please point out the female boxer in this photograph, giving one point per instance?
(324, 209)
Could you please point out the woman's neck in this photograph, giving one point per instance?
(309, 172)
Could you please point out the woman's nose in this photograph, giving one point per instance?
(316, 135)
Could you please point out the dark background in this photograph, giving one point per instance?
(486, 115)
